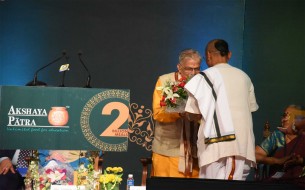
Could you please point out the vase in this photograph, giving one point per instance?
(58, 116)
(108, 186)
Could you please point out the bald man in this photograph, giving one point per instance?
(224, 96)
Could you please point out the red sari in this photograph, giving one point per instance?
(292, 173)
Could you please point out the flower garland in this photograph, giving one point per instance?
(31, 180)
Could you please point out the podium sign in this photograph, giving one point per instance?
(64, 118)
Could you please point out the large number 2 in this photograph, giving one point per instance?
(113, 129)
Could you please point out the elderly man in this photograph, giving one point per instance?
(224, 96)
(172, 155)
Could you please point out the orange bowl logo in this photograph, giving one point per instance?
(58, 116)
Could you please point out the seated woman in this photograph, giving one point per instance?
(72, 157)
(284, 149)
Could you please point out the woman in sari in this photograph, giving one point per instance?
(284, 149)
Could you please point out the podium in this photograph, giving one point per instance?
(64, 118)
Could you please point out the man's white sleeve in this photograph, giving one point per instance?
(192, 105)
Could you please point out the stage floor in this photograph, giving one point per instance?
(165, 183)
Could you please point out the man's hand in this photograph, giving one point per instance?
(57, 156)
(191, 116)
(5, 166)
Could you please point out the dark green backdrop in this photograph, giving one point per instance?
(127, 44)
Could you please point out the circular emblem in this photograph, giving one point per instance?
(95, 104)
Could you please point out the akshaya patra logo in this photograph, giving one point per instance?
(104, 120)
(58, 116)
(27, 117)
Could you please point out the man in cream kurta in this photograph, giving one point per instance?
(225, 98)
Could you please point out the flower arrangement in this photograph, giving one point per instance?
(58, 175)
(39, 178)
(87, 177)
(174, 95)
(111, 178)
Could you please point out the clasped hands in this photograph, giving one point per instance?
(190, 116)
(291, 160)
(6, 166)
(294, 159)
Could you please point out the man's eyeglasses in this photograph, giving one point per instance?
(190, 69)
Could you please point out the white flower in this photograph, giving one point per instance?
(82, 168)
(160, 88)
(167, 90)
(55, 176)
(172, 95)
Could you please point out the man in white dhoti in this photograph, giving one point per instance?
(224, 96)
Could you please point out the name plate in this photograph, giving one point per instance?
(137, 187)
(67, 187)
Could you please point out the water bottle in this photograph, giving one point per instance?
(130, 181)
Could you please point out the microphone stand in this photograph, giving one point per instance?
(89, 76)
(63, 79)
(35, 82)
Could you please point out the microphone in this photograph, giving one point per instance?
(35, 81)
(63, 69)
(89, 76)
